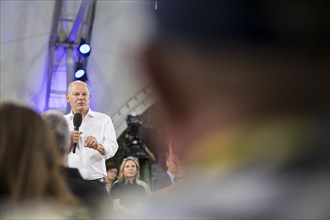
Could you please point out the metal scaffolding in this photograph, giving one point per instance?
(66, 34)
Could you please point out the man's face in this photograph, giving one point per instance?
(78, 96)
(172, 165)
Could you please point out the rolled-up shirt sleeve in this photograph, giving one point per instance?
(109, 139)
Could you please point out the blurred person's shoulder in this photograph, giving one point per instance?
(42, 210)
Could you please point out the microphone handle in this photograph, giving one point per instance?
(75, 145)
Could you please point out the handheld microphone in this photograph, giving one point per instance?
(77, 120)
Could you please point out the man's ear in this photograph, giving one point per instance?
(67, 98)
(167, 163)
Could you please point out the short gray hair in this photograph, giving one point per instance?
(77, 82)
(56, 121)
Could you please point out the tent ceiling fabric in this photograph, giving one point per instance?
(24, 35)
(120, 29)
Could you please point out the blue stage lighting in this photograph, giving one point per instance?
(84, 48)
(80, 72)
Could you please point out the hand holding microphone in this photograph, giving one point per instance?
(77, 120)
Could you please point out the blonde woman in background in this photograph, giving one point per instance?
(128, 192)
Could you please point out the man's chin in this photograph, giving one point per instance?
(81, 109)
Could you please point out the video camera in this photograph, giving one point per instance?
(133, 138)
(134, 124)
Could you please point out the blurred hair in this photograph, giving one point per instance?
(122, 166)
(270, 56)
(267, 22)
(59, 125)
(29, 157)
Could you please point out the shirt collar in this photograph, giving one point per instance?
(90, 114)
(172, 176)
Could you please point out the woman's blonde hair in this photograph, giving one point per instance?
(122, 166)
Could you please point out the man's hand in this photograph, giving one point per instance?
(91, 142)
(75, 135)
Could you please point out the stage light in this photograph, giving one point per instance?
(80, 72)
(84, 48)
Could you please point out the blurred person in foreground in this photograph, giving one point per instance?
(244, 87)
(129, 192)
(96, 139)
(90, 194)
(31, 184)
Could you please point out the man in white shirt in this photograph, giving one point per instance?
(96, 139)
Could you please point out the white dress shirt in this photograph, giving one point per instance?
(89, 162)
(172, 176)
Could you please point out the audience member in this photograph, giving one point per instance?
(112, 175)
(136, 146)
(129, 192)
(244, 87)
(91, 194)
(31, 184)
(171, 175)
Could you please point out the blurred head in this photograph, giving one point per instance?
(78, 96)
(58, 124)
(129, 168)
(220, 63)
(28, 157)
(112, 171)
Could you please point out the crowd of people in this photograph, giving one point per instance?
(41, 176)
(244, 94)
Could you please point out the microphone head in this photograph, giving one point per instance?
(77, 120)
